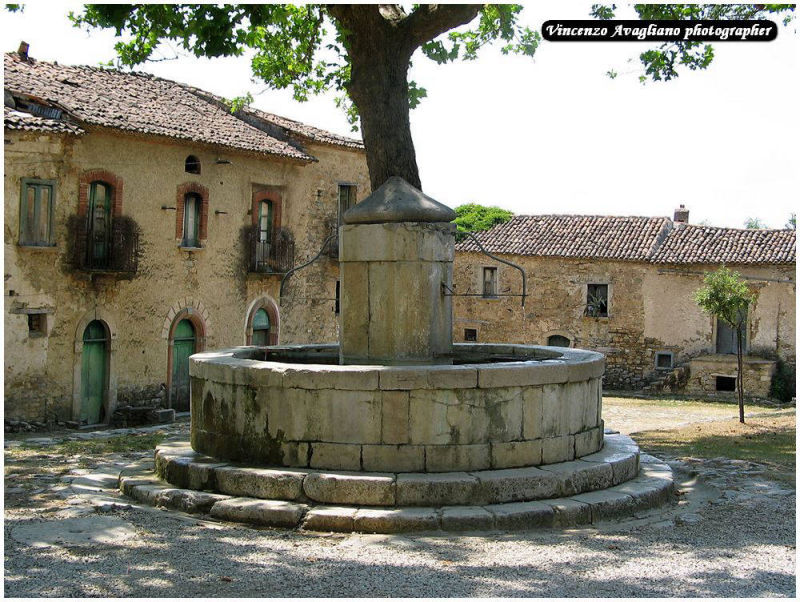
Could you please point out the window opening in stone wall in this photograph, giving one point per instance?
(664, 360)
(490, 282)
(192, 164)
(597, 300)
(36, 212)
(337, 299)
(557, 340)
(470, 335)
(37, 325)
(191, 220)
(347, 198)
(726, 383)
(98, 219)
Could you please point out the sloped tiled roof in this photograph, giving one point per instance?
(140, 103)
(18, 120)
(688, 243)
(581, 236)
(309, 132)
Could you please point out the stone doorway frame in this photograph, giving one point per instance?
(198, 316)
(110, 386)
(268, 304)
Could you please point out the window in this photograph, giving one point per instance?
(597, 300)
(37, 325)
(557, 340)
(265, 222)
(490, 282)
(192, 164)
(347, 198)
(99, 223)
(337, 299)
(36, 212)
(664, 360)
(191, 220)
(470, 335)
(261, 327)
(726, 383)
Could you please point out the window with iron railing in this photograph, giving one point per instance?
(271, 253)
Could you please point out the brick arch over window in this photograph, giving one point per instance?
(268, 305)
(200, 330)
(202, 192)
(100, 175)
(260, 194)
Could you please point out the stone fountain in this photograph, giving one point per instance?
(397, 428)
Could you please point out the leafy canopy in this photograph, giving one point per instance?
(663, 62)
(472, 217)
(754, 223)
(725, 295)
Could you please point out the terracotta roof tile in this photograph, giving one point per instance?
(586, 236)
(138, 102)
(18, 120)
(688, 243)
(309, 132)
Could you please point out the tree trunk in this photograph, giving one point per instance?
(379, 89)
(739, 375)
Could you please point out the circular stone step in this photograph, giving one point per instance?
(616, 463)
(653, 486)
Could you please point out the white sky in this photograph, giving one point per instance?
(551, 134)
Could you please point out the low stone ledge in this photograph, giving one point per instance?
(607, 504)
(261, 483)
(194, 502)
(521, 515)
(577, 476)
(397, 520)
(467, 518)
(330, 518)
(515, 484)
(270, 513)
(570, 513)
(356, 489)
(438, 489)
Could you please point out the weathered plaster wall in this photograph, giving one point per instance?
(40, 373)
(556, 304)
(651, 309)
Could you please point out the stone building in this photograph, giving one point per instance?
(624, 286)
(145, 222)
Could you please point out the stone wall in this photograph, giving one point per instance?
(210, 285)
(651, 309)
(704, 371)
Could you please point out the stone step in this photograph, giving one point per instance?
(652, 487)
(618, 461)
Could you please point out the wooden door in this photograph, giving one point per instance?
(183, 346)
(93, 373)
(261, 328)
(726, 337)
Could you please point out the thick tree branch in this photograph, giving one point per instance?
(431, 20)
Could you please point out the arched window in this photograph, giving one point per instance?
(261, 328)
(558, 340)
(99, 224)
(192, 164)
(191, 220)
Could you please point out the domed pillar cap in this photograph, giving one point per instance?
(398, 201)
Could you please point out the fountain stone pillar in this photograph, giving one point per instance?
(396, 253)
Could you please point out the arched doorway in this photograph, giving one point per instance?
(184, 344)
(94, 372)
(261, 326)
(558, 340)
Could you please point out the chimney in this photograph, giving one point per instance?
(681, 215)
(23, 50)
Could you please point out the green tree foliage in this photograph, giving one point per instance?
(754, 223)
(725, 295)
(665, 61)
(477, 218)
(791, 223)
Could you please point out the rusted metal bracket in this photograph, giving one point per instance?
(305, 265)
(505, 261)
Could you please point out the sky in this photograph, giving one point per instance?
(552, 133)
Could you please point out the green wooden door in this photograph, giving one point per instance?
(261, 328)
(93, 372)
(183, 345)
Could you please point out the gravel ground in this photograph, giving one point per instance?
(732, 534)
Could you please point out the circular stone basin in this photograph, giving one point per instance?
(489, 407)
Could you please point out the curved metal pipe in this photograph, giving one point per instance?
(513, 265)
(300, 267)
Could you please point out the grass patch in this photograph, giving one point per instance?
(123, 443)
(767, 440)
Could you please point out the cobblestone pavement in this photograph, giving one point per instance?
(68, 533)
